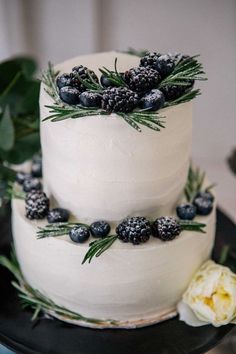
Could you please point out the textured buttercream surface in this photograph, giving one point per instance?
(100, 168)
(139, 284)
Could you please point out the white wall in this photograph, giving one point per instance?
(59, 29)
(207, 27)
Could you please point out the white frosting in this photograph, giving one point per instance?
(101, 168)
(136, 285)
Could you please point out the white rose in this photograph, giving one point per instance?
(211, 296)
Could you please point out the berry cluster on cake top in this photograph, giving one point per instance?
(160, 80)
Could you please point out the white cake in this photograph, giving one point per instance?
(98, 167)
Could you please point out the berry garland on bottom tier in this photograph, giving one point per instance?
(136, 229)
(136, 95)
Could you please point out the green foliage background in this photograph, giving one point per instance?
(19, 115)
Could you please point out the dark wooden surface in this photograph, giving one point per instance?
(18, 333)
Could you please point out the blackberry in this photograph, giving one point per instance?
(165, 65)
(79, 234)
(69, 95)
(135, 229)
(22, 176)
(119, 99)
(63, 80)
(90, 99)
(150, 59)
(100, 228)
(142, 79)
(153, 100)
(186, 211)
(84, 73)
(30, 184)
(58, 215)
(166, 228)
(36, 205)
(204, 206)
(175, 91)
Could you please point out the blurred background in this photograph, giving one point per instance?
(56, 30)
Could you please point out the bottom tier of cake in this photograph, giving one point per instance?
(126, 287)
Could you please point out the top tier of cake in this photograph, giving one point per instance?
(100, 168)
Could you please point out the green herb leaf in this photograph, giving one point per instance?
(98, 247)
(24, 148)
(194, 183)
(192, 226)
(58, 229)
(6, 131)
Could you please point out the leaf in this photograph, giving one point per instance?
(9, 69)
(22, 96)
(23, 150)
(28, 65)
(7, 173)
(6, 131)
(28, 102)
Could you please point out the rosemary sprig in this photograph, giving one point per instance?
(134, 119)
(96, 248)
(188, 96)
(150, 120)
(192, 226)
(57, 229)
(49, 80)
(186, 70)
(194, 183)
(38, 302)
(114, 76)
(71, 112)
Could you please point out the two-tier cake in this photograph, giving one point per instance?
(125, 220)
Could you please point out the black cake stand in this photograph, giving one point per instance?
(18, 333)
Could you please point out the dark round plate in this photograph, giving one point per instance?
(54, 337)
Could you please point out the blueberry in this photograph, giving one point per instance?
(36, 168)
(105, 82)
(100, 228)
(22, 176)
(32, 184)
(204, 206)
(79, 234)
(165, 65)
(153, 100)
(90, 99)
(63, 80)
(69, 95)
(186, 211)
(206, 195)
(58, 215)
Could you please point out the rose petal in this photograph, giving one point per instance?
(188, 316)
